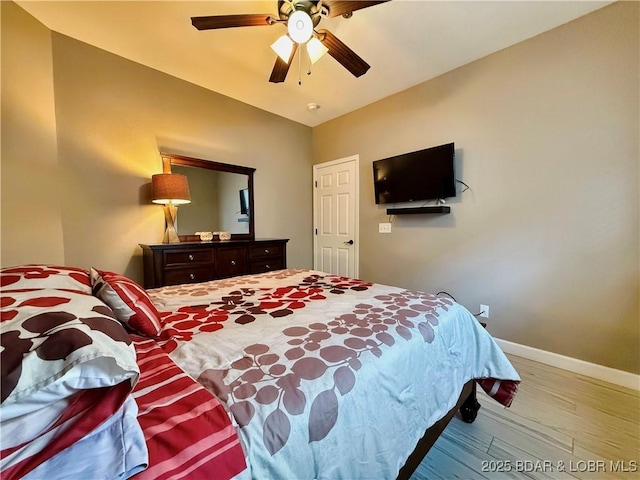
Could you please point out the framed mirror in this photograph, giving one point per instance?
(221, 197)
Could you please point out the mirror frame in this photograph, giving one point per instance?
(169, 159)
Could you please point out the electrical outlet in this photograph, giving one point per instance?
(384, 228)
(484, 311)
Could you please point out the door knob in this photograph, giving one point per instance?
(350, 242)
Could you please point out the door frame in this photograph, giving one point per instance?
(355, 159)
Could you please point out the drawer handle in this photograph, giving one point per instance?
(190, 257)
(192, 276)
(268, 267)
(266, 251)
(233, 262)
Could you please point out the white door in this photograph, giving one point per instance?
(335, 217)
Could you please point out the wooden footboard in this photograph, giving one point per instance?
(432, 434)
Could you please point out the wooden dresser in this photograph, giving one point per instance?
(191, 262)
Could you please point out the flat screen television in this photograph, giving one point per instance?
(417, 176)
(244, 201)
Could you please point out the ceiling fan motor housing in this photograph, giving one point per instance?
(287, 7)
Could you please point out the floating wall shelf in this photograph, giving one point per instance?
(441, 209)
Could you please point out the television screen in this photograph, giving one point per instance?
(244, 201)
(423, 175)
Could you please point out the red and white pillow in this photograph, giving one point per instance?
(56, 342)
(128, 300)
(45, 276)
(63, 353)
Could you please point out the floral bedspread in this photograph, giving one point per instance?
(327, 376)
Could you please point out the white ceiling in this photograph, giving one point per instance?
(406, 42)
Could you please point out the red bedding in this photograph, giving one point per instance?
(87, 410)
(312, 359)
(188, 432)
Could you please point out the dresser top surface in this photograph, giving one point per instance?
(213, 243)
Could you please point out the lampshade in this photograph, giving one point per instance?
(300, 26)
(170, 188)
(283, 47)
(316, 49)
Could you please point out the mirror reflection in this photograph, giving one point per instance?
(219, 202)
(221, 197)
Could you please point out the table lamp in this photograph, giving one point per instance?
(170, 189)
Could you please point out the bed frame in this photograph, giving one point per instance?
(468, 406)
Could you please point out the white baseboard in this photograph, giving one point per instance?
(606, 374)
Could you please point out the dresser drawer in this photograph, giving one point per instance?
(174, 276)
(192, 262)
(267, 265)
(267, 250)
(180, 257)
(231, 261)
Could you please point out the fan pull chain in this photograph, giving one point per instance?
(299, 68)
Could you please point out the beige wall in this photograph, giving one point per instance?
(547, 137)
(111, 118)
(30, 185)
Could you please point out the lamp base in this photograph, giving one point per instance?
(171, 218)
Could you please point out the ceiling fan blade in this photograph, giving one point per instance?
(227, 21)
(281, 68)
(340, 7)
(343, 54)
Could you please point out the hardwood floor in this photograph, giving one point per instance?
(588, 428)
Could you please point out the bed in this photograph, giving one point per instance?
(287, 374)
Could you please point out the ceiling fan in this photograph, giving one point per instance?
(301, 18)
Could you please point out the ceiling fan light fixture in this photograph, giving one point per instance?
(300, 26)
(316, 49)
(283, 47)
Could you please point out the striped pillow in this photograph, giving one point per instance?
(128, 300)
